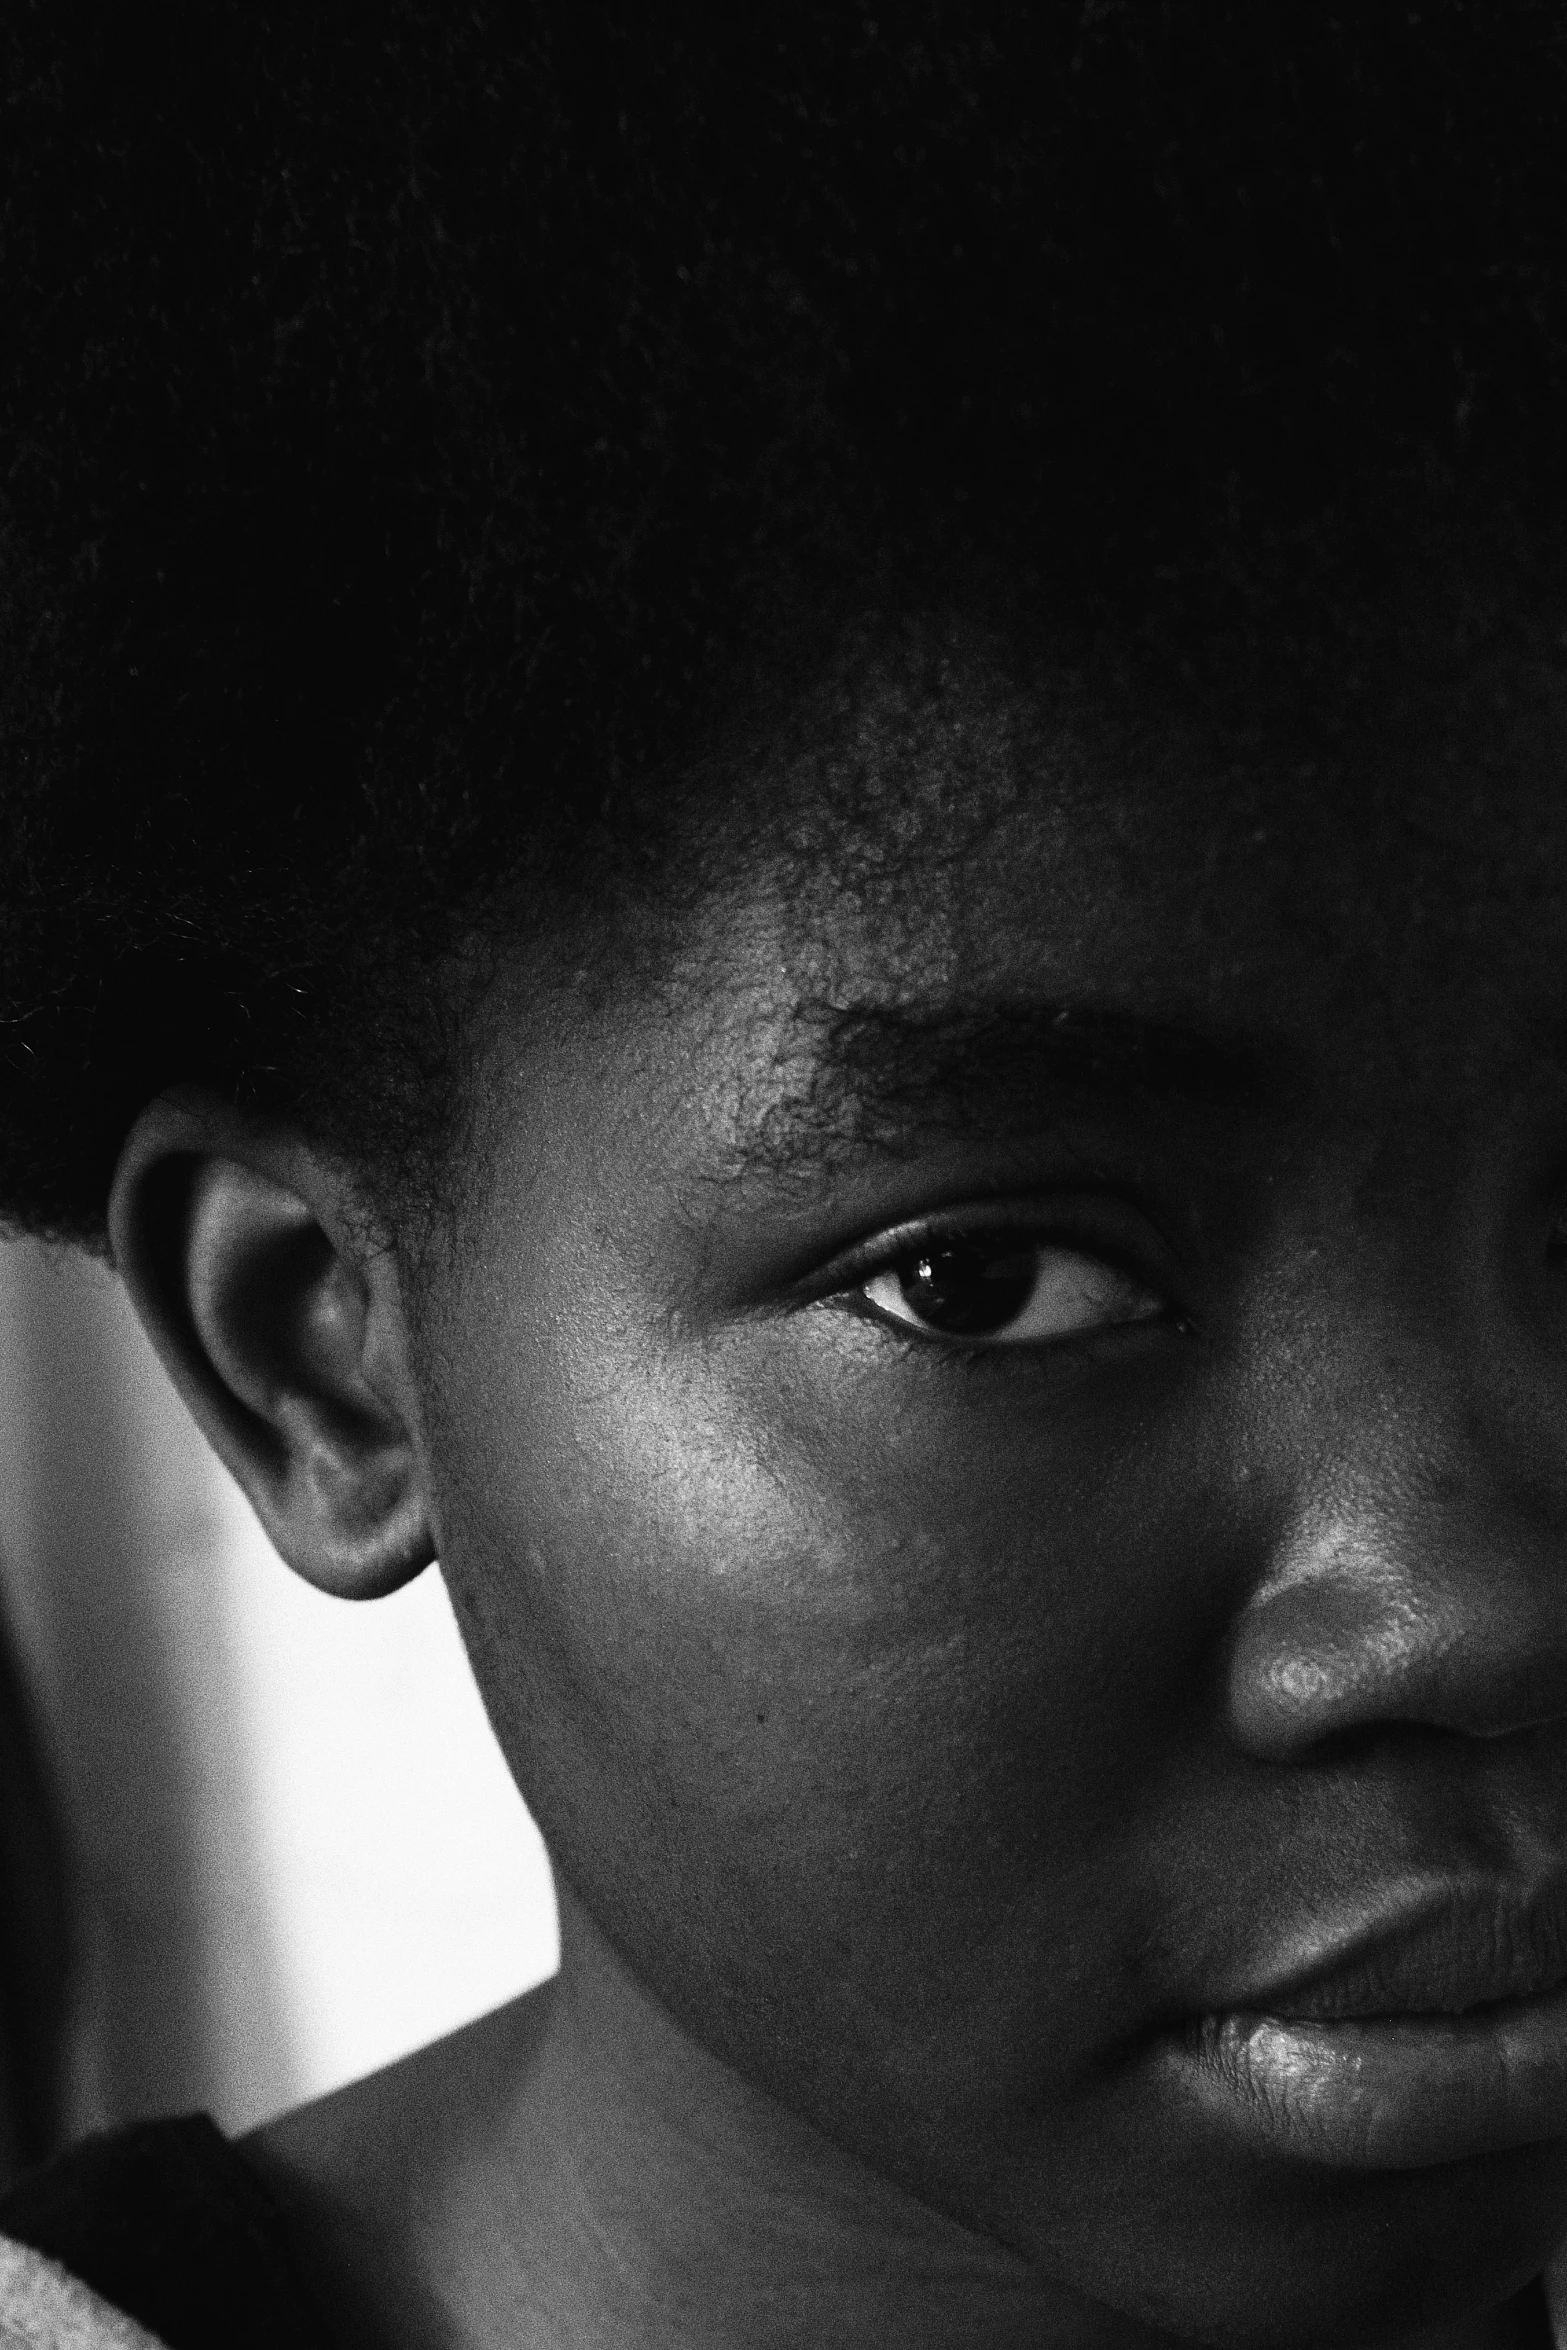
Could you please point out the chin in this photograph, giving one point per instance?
(1313, 2260)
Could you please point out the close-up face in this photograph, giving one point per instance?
(783, 866)
(999, 1424)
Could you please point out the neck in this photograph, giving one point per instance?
(673, 2203)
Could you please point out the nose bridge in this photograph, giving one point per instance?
(1416, 1570)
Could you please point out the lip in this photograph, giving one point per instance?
(1406, 2040)
(1441, 1951)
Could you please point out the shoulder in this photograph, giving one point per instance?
(167, 2223)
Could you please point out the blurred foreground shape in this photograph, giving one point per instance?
(35, 1936)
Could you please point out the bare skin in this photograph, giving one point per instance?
(931, 1729)
(576, 2142)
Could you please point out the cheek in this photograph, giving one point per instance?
(842, 1687)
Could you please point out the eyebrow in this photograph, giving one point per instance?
(879, 1076)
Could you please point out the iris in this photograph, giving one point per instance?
(970, 1286)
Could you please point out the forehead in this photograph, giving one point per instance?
(955, 900)
(947, 834)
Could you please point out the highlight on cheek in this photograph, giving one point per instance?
(1006, 1288)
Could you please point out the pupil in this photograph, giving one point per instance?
(970, 1285)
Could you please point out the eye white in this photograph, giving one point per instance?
(1069, 1292)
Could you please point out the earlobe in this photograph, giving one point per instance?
(283, 1331)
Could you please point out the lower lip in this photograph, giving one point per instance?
(1385, 2092)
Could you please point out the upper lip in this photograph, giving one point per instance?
(1442, 1953)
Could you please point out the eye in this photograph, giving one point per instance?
(1006, 1288)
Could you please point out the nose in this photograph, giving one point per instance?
(1415, 1581)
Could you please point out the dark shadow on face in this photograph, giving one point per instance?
(1004, 1465)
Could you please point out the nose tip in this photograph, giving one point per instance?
(1355, 1636)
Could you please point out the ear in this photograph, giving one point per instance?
(282, 1325)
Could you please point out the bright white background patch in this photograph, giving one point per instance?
(299, 1853)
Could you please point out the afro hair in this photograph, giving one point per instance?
(419, 426)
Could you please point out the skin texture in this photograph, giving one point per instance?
(924, 1732)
